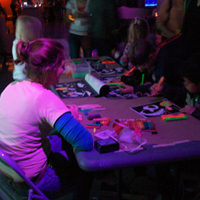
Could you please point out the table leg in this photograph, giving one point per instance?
(119, 184)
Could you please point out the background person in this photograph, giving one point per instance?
(191, 76)
(27, 29)
(14, 5)
(173, 55)
(104, 26)
(138, 28)
(79, 32)
(170, 18)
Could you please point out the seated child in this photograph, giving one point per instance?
(191, 76)
(142, 57)
(138, 29)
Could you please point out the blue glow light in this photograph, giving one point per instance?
(150, 3)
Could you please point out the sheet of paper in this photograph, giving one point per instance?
(158, 108)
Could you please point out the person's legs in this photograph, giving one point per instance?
(66, 168)
(74, 45)
(70, 174)
(87, 53)
(87, 46)
(50, 182)
(13, 8)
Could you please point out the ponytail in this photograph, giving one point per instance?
(22, 49)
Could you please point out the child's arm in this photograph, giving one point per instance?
(188, 109)
(124, 59)
(157, 88)
(195, 112)
(126, 89)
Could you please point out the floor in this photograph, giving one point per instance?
(142, 187)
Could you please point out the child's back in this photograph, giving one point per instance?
(138, 29)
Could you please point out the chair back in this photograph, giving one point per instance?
(6, 169)
(11, 169)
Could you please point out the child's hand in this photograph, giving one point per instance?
(127, 89)
(75, 15)
(74, 110)
(142, 68)
(156, 89)
(116, 80)
(115, 54)
(188, 109)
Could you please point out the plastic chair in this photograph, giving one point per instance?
(10, 169)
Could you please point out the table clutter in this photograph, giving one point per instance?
(153, 140)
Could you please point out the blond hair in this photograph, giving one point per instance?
(138, 29)
(28, 28)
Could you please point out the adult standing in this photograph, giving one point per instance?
(14, 4)
(105, 23)
(170, 18)
(79, 18)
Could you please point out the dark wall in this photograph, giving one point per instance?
(134, 3)
(128, 3)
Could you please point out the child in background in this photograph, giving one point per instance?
(191, 76)
(78, 16)
(142, 57)
(27, 29)
(139, 28)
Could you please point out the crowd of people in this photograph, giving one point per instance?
(39, 62)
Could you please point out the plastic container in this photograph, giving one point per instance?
(81, 70)
(70, 67)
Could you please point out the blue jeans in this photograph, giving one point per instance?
(50, 181)
(77, 41)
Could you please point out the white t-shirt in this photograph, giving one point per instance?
(81, 25)
(18, 73)
(24, 109)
